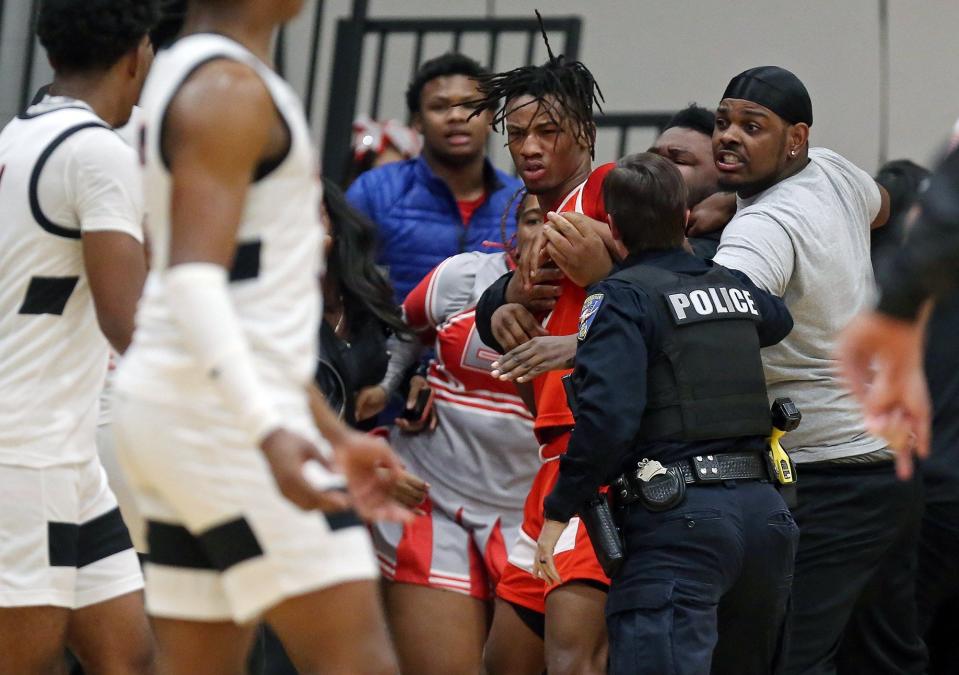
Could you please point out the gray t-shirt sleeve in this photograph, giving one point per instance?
(861, 188)
(758, 246)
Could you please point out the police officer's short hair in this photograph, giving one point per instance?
(646, 196)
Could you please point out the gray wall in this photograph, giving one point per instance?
(661, 54)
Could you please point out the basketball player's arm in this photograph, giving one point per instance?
(108, 199)
(116, 269)
(220, 125)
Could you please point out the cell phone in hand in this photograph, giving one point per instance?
(415, 414)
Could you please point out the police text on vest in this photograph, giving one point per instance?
(716, 302)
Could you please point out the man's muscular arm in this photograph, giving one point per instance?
(221, 124)
(105, 178)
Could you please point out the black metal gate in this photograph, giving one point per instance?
(353, 32)
(360, 38)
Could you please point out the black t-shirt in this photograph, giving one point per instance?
(347, 366)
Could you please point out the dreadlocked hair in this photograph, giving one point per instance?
(572, 88)
(509, 245)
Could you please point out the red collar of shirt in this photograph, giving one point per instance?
(468, 207)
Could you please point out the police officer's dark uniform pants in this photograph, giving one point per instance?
(853, 609)
(705, 586)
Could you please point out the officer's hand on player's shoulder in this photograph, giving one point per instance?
(711, 214)
(513, 325)
(419, 413)
(372, 472)
(582, 247)
(535, 357)
(288, 455)
(542, 295)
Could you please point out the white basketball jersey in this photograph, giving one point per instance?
(274, 281)
(53, 357)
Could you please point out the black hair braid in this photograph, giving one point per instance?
(517, 212)
(571, 86)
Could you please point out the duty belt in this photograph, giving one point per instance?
(698, 470)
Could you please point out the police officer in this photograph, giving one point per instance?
(709, 541)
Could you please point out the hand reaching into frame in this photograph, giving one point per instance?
(536, 356)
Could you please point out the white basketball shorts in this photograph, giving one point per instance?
(223, 543)
(62, 539)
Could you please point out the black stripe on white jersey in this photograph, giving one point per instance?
(32, 116)
(48, 295)
(35, 209)
(246, 261)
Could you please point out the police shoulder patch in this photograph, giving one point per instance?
(590, 306)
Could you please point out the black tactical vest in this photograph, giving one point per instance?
(706, 378)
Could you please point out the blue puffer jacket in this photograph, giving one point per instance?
(418, 219)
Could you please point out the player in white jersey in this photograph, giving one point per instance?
(212, 397)
(71, 270)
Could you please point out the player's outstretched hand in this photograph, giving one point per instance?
(881, 360)
(581, 246)
(513, 325)
(535, 357)
(287, 454)
(372, 472)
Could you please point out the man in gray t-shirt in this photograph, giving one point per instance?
(806, 240)
(802, 232)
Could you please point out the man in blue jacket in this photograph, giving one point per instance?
(448, 200)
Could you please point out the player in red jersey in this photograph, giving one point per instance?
(547, 112)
